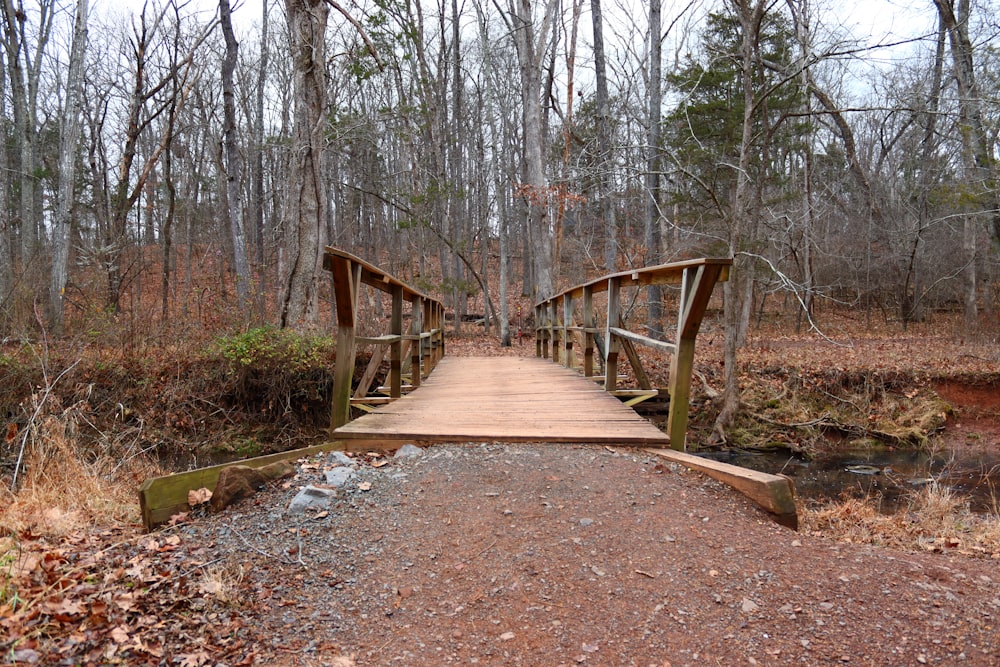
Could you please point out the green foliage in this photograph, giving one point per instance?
(705, 131)
(272, 347)
(276, 372)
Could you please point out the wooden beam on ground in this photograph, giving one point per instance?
(162, 497)
(774, 493)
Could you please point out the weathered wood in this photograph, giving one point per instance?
(347, 282)
(396, 347)
(589, 331)
(633, 359)
(660, 345)
(378, 354)
(510, 399)
(162, 497)
(697, 278)
(348, 274)
(774, 493)
(611, 350)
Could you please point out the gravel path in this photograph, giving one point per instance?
(563, 555)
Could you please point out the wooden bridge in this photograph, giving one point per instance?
(580, 399)
(518, 399)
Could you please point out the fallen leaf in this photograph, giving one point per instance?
(364, 486)
(379, 463)
(199, 496)
(193, 659)
(119, 634)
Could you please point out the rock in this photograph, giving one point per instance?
(339, 476)
(237, 482)
(749, 606)
(310, 496)
(340, 458)
(408, 452)
(586, 522)
(507, 636)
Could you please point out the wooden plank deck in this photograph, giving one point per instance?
(507, 399)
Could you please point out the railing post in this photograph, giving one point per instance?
(416, 349)
(588, 334)
(427, 344)
(556, 328)
(694, 299)
(546, 329)
(567, 333)
(347, 286)
(396, 347)
(610, 341)
(538, 330)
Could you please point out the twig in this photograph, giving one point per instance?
(281, 559)
(488, 547)
(198, 567)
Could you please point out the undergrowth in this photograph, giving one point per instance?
(936, 519)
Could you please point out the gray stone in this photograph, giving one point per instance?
(408, 451)
(310, 496)
(340, 458)
(339, 476)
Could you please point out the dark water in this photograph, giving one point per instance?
(890, 476)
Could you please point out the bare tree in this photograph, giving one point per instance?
(304, 216)
(976, 143)
(605, 160)
(653, 162)
(24, 68)
(233, 160)
(68, 144)
(530, 41)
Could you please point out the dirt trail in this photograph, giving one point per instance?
(563, 555)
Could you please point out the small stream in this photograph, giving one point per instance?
(891, 475)
(964, 457)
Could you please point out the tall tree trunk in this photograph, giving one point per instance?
(305, 208)
(6, 229)
(743, 221)
(534, 186)
(232, 159)
(24, 70)
(604, 160)
(977, 146)
(68, 142)
(257, 196)
(653, 164)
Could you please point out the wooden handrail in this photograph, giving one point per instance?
(555, 328)
(425, 339)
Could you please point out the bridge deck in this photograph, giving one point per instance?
(510, 399)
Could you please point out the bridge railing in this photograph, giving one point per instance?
(422, 344)
(558, 325)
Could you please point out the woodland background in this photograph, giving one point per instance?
(162, 174)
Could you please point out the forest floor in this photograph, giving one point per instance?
(500, 554)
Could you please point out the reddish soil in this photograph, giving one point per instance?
(516, 555)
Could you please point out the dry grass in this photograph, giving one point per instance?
(937, 519)
(61, 491)
(223, 582)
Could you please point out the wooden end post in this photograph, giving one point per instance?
(416, 350)
(611, 341)
(567, 332)
(588, 334)
(347, 286)
(396, 347)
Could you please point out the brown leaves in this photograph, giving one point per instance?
(199, 496)
(85, 601)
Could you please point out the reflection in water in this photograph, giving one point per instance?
(890, 475)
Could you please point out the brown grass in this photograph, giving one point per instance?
(61, 491)
(937, 519)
